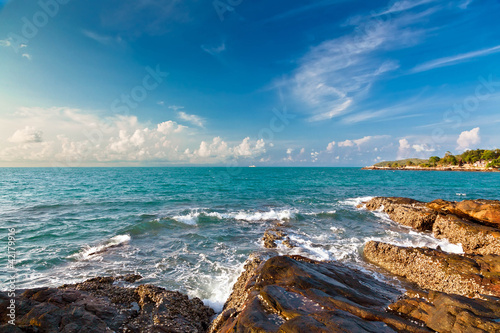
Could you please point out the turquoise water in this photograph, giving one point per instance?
(191, 229)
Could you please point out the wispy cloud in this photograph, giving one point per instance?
(453, 60)
(338, 73)
(193, 119)
(5, 42)
(102, 39)
(404, 5)
(301, 10)
(27, 56)
(214, 50)
(465, 4)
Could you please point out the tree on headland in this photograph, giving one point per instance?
(490, 158)
(434, 160)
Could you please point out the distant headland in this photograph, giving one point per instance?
(471, 160)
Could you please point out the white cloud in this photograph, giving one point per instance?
(26, 135)
(422, 148)
(289, 151)
(337, 73)
(5, 42)
(214, 50)
(193, 119)
(468, 139)
(72, 137)
(26, 55)
(465, 4)
(331, 146)
(453, 60)
(404, 144)
(219, 150)
(404, 5)
(346, 143)
(102, 39)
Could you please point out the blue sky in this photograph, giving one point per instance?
(238, 82)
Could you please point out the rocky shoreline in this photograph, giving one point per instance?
(443, 292)
(446, 168)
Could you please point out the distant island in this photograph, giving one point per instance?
(470, 160)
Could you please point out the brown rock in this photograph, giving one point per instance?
(486, 212)
(436, 270)
(475, 238)
(296, 294)
(405, 211)
(450, 313)
(274, 234)
(100, 305)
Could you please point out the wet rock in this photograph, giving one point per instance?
(296, 294)
(486, 212)
(405, 211)
(105, 305)
(474, 238)
(469, 275)
(450, 313)
(274, 234)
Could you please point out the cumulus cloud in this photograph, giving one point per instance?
(422, 148)
(468, 139)
(72, 137)
(331, 146)
(219, 150)
(346, 143)
(26, 135)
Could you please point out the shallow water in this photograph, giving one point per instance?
(191, 229)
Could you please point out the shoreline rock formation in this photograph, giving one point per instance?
(473, 228)
(445, 292)
(102, 305)
(296, 294)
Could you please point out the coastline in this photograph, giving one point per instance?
(293, 293)
(419, 168)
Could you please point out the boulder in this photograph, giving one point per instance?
(469, 275)
(102, 305)
(296, 294)
(474, 238)
(486, 212)
(450, 313)
(409, 212)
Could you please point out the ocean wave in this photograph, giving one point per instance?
(90, 251)
(355, 201)
(194, 215)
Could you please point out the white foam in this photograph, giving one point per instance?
(220, 288)
(192, 217)
(90, 251)
(282, 215)
(189, 219)
(355, 201)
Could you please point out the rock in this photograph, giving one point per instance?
(405, 211)
(274, 234)
(296, 294)
(102, 305)
(468, 275)
(474, 238)
(486, 212)
(450, 313)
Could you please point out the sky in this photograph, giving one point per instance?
(239, 82)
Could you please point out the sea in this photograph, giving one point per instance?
(192, 228)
